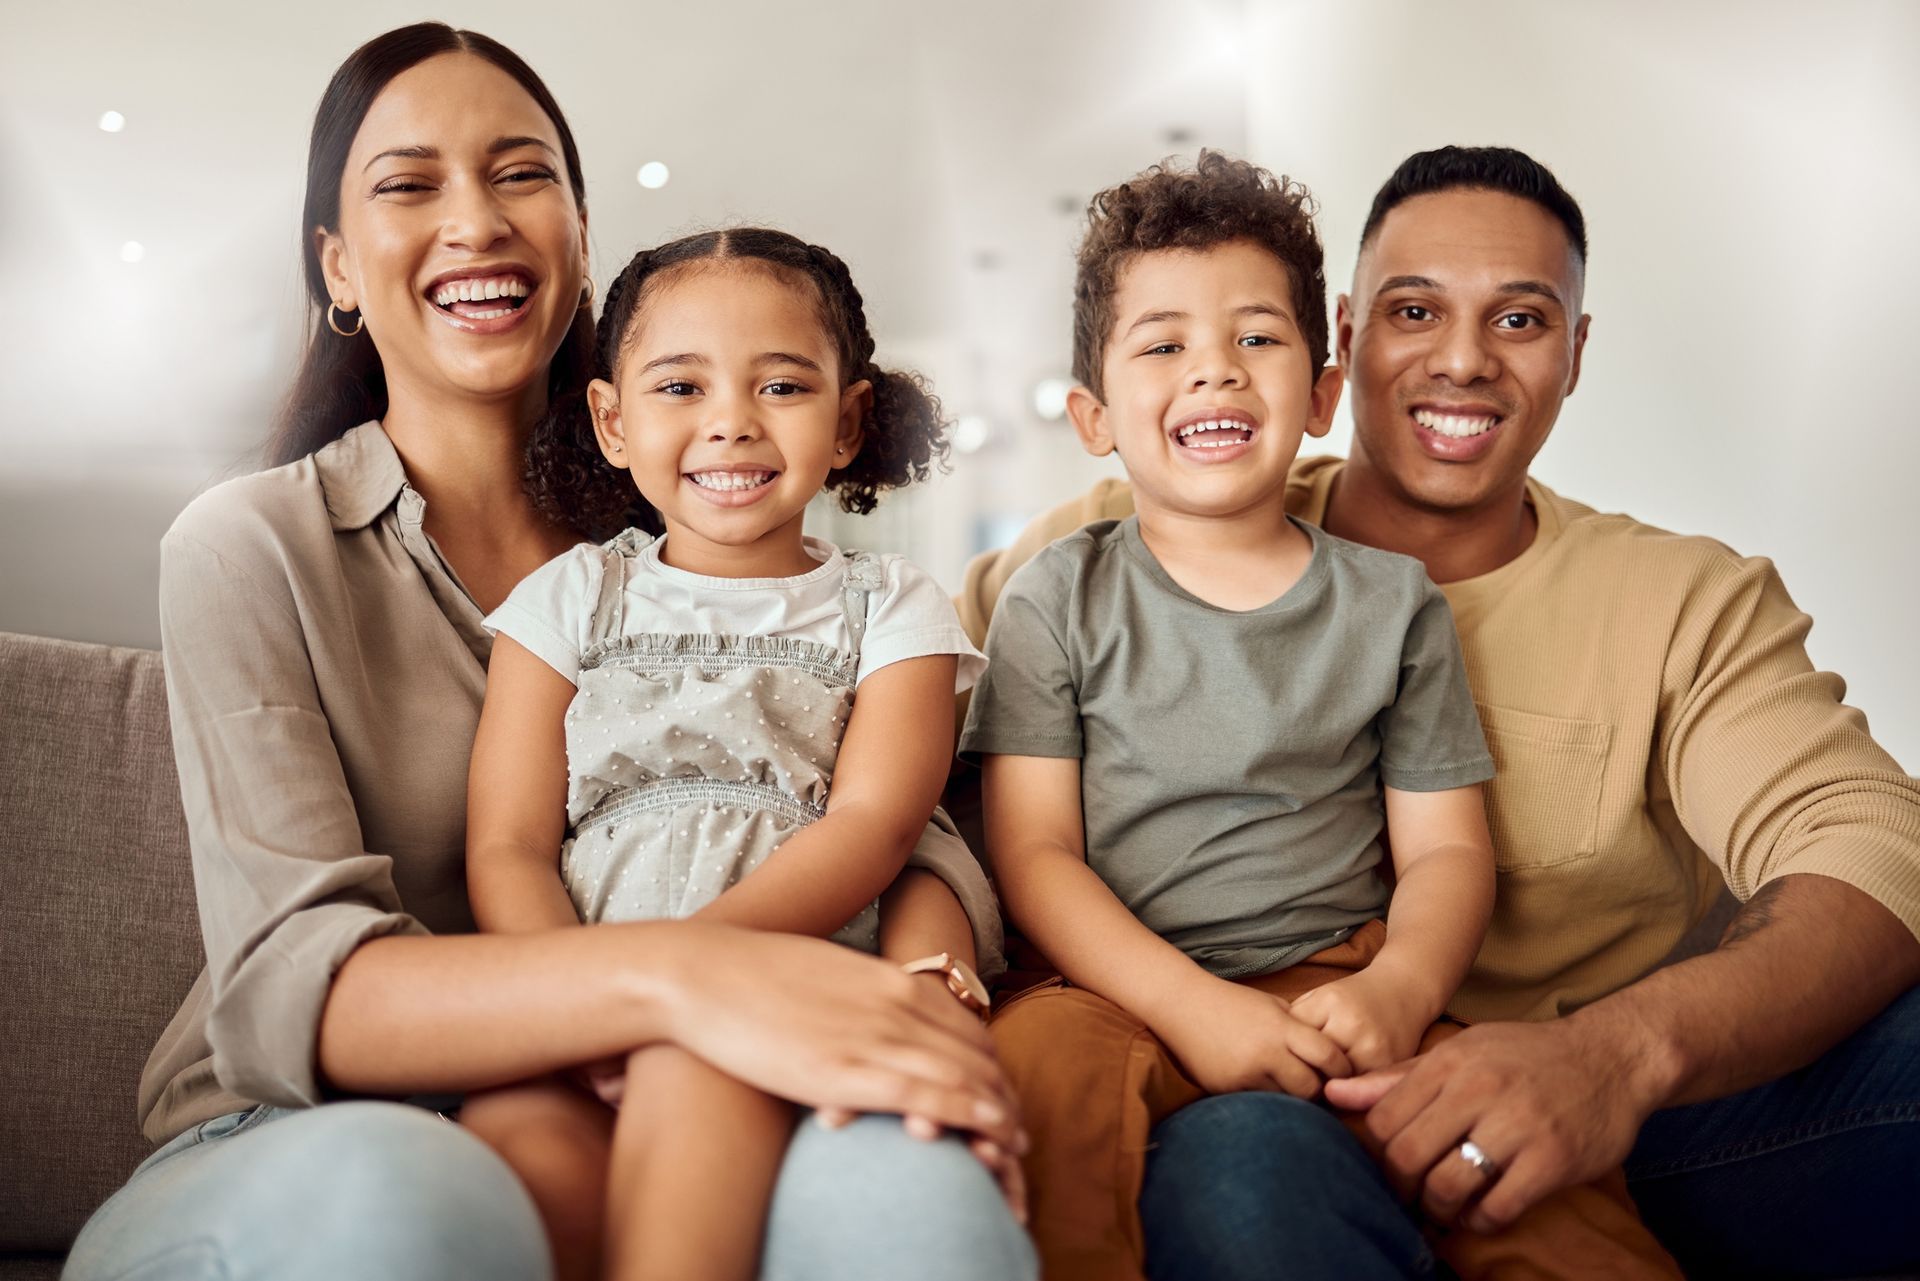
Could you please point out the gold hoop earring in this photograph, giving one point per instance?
(359, 322)
(586, 298)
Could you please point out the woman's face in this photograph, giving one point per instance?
(459, 240)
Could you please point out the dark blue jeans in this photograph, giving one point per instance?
(1813, 1175)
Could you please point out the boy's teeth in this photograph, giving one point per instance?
(1241, 434)
(1457, 426)
(730, 479)
(480, 289)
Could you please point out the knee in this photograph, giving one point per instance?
(1243, 1180)
(409, 1194)
(869, 1200)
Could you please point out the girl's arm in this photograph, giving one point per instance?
(892, 765)
(517, 796)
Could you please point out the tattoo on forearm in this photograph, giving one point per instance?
(1755, 916)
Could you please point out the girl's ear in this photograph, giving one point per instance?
(1090, 422)
(856, 402)
(603, 405)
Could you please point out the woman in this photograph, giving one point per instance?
(325, 666)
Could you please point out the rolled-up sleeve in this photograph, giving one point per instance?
(286, 889)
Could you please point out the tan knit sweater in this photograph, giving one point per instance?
(1658, 730)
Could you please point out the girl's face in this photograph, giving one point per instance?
(730, 414)
(459, 242)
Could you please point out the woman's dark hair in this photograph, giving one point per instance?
(341, 382)
(905, 431)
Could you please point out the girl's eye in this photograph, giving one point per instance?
(679, 387)
(1517, 321)
(783, 387)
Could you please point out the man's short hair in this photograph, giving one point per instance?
(1170, 207)
(1479, 169)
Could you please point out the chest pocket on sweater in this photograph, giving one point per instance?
(1543, 804)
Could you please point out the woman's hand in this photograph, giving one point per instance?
(811, 1021)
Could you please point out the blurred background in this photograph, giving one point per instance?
(1747, 168)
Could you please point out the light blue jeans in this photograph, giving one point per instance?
(382, 1190)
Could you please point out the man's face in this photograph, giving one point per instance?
(1462, 336)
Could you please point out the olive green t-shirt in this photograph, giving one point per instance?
(1232, 762)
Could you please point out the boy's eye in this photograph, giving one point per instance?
(1162, 349)
(1257, 340)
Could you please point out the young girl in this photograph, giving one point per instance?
(671, 727)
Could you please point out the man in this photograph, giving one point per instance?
(1659, 732)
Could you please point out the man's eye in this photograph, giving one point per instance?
(1517, 321)
(1414, 311)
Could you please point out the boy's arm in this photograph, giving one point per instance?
(1442, 902)
(1227, 1037)
(892, 765)
(517, 796)
(920, 915)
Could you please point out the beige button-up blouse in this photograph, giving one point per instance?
(325, 671)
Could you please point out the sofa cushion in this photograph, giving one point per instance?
(99, 940)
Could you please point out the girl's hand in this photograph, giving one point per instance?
(811, 1021)
(1376, 1020)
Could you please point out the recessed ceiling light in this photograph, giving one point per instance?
(653, 175)
(132, 251)
(112, 122)
(1050, 398)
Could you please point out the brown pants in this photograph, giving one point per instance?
(1093, 1082)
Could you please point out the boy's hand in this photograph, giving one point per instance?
(1229, 1037)
(1375, 1019)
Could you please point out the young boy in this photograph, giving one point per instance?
(1192, 726)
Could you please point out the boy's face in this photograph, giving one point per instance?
(1209, 387)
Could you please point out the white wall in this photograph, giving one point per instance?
(1748, 172)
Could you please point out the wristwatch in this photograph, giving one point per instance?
(961, 980)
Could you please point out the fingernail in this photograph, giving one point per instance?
(988, 1112)
(921, 1128)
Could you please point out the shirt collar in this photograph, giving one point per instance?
(361, 476)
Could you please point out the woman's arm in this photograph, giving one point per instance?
(517, 796)
(892, 765)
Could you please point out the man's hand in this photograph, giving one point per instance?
(1552, 1105)
(1376, 1020)
(1229, 1038)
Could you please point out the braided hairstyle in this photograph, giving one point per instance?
(905, 430)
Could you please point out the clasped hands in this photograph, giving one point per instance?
(1549, 1105)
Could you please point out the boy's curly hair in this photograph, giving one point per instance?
(905, 429)
(1169, 207)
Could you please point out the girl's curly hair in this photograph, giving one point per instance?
(905, 430)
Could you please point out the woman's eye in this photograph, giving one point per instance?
(532, 173)
(399, 187)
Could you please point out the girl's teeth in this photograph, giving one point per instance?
(727, 480)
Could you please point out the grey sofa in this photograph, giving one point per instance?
(98, 936)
